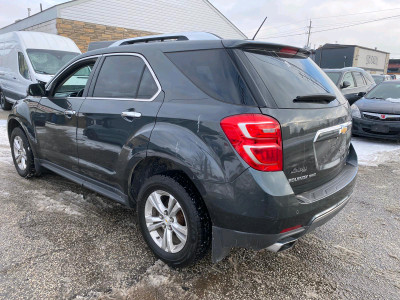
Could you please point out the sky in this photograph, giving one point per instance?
(288, 20)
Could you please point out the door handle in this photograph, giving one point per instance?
(129, 115)
(69, 113)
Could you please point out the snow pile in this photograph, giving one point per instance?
(372, 152)
(394, 100)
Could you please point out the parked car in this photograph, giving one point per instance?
(377, 114)
(353, 82)
(231, 142)
(381, 78)
(28, 57)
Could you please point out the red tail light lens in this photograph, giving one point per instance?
(257, 139)
(289, 51)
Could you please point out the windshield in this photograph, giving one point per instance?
(385, 91)
(378, 79)
(49, 62)
(287, 77)
(334, 76)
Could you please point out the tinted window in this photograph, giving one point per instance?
(334, 76)
(214, 73)
(23, 67)
(359, 79)
(378, 78)
(74, 84)
(148, 87)
(348, 77)
(119, 77)
(289, 77)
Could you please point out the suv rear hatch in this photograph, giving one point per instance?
(314, 116)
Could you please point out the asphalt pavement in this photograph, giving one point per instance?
(61, 241)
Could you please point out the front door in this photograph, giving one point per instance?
(56, 121)
(116, 119)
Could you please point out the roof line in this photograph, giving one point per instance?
(332, 46)
(225, 18)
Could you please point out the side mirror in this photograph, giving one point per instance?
(345, 84)
(37, 90)
(361, 94)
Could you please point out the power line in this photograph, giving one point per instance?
(335, 28)
(337, 16)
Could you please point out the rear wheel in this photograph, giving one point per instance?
(173, 221)
(22, 153)
(5, 105)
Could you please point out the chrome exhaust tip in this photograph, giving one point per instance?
(282, 245)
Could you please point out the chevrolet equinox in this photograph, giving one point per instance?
(216, 143)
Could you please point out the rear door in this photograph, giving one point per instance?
(315, 134)
(116, 119)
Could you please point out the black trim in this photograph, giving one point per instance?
(86, 182)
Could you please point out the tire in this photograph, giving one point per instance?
(190, 213)
(22, 153)
(5, 105)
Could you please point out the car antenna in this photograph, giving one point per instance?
(259, 28)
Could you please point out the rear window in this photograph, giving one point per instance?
(214, 73)
(334, 76)
(289, 77)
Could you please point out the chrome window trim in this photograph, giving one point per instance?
(132, 99)
(49, 84)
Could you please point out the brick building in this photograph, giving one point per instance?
(86, 21)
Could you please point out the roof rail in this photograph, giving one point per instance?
(180, 36)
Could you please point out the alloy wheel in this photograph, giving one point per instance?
(20, 153)
(166, 221)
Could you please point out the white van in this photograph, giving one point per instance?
(29, 57)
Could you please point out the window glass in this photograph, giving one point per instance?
(23, 67)
(334, 76)
(214, 73)
(148, 86)
(119, 77)
(74, 84)
(348, 77)
(385, 91)
(288, 77)
(359, 79)
(49, 62)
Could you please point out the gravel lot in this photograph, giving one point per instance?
(60, 241)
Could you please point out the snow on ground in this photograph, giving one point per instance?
(372, 152)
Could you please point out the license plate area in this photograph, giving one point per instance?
(331, 146)
(380, 128)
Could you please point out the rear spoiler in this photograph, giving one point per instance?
(270, 47)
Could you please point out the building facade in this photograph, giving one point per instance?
(394, 66)
(86, 21)
(333, 56)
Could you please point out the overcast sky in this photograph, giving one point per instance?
(288, 20)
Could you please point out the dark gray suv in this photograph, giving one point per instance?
(233, 143)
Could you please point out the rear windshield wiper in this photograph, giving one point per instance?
(316, 98)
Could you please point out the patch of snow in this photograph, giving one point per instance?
(394, 100)
(372, 152)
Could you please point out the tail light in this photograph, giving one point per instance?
(257, 139)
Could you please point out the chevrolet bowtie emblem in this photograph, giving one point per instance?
(343, 130)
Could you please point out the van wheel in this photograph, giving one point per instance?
(173, 221)
(5, 105)
(22, 153)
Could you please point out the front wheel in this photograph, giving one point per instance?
(22, 153)
(173, 221)
(5, 105)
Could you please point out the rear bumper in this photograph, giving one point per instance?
(377, 129)
(309, 210)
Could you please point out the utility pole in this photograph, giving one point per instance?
(259, 28)
(309, 33)
(41, 7)
(29, 12)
